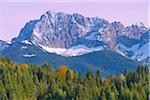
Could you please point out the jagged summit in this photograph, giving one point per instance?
(75, 34)
(80, 42)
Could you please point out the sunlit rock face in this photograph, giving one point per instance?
(78, 35)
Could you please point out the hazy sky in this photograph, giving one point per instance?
(14, 14)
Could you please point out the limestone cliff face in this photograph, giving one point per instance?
(65, 31)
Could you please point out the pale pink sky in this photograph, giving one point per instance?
(14, 15)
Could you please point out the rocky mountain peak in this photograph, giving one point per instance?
(63, 31)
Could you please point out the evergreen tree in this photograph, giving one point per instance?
(30, 82)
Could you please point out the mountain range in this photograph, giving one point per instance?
(80, 42)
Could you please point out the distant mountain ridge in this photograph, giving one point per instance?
(108, 61)
(3, 45)
(65, 36)
(60, 33)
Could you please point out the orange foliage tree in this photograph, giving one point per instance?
(23, 66)
(62, 71)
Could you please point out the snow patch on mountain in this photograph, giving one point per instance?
(138, 53)
(141, 53)
(74, 51)
(139, 24)
(93, 36)
(29, 55)
(36, 33)
(26, 42)
(24, 47)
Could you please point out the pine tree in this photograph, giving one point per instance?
(98, 78)
(3, 94)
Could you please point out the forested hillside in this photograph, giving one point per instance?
(31, 82)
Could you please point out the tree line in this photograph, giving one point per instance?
(30, 82)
